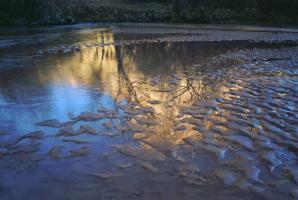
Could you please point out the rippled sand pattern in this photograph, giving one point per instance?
(221, 125)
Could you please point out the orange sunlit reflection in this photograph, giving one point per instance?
(115, 71)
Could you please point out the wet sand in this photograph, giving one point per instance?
(148, 113)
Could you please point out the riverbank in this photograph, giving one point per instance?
(53, 12)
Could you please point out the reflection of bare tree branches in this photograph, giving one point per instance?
(121, 70)
(195, 89)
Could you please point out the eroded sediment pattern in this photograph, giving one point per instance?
(200, 131)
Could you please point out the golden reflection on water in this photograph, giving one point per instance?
(115, 71)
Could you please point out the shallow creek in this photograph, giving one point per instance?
(93, 111)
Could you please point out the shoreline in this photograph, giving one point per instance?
(192, 26)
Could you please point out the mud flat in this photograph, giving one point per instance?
(165, 113)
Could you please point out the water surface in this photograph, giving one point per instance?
(148, 113)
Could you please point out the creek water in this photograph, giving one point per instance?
(118, 111)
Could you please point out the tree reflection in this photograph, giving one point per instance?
(162, 72)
